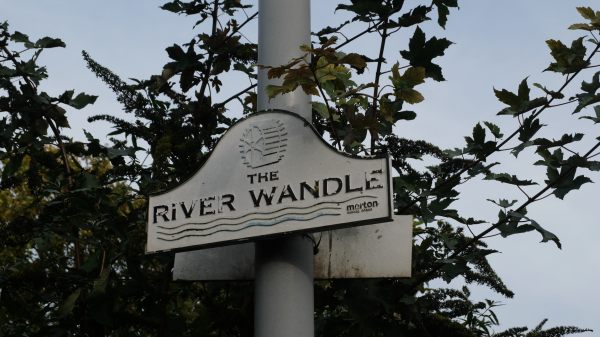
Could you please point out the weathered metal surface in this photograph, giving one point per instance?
(370, 251)
(269, 174)
(283, 287)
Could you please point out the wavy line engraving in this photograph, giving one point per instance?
(253, 219)
(251, 225)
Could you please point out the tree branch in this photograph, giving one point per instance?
(211, 53)
(380, 61)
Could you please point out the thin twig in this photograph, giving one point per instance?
(211, 53)
(522, 191)
(236, 95)
(380, 61)
(564, 103)
(239, 27)
(368, 30)
(569, 150)
(594, 155)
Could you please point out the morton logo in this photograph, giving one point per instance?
(263, 144)
(365, 206)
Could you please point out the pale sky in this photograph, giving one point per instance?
(497, 44)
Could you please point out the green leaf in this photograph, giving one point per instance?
(20, 38)
(507, 97)
(414, 17)
(411, 96)
(544, 143)
(453, 269)
(443, 10)
(175, 52)
(509, 179)
(404, 84)
(273, 90)
(592, 86)
(509, 224)
(354, 60)
(173, 6)
(99, 286)
(469, 221)
(477, 144)
(82, 100)
(48, 42)
(186, 80)
(478, 134)
(113, 153)
(518, 103)
(366, 10)
(414, 76)
(405, 115)
(581, 26)
(66, 96)
(546, 235)
(12, 166)
(593, 165)
(421, 52)
(530, 127)
(568, 183)
(92, 262)
(68, 305)
(494, 129)
(567, 60)
(89, 181)
(586, 100)
(595, 119)
(321, 108)
(587, 13)
(524, 90)
(554, 160)
(589, 96)
(7, 72)
(504, 203)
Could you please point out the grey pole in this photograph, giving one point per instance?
(284, 293)
(283, 25)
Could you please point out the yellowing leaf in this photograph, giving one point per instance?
(404, 84)
(414, 75)
(411, 96)
(587, 12)
(581, 26)
(354, 60)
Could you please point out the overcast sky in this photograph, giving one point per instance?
(497, 44)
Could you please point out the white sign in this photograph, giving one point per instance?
(271, 173)
(380, 250)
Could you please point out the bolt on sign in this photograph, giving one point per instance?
(270, 174)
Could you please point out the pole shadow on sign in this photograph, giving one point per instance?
(270, 175)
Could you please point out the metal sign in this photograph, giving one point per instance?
(371, 251)
(270, 174)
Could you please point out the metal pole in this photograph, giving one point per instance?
(284, 293)
(283, 25)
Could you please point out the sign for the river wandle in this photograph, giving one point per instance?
(270, 174)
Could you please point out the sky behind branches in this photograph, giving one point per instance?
(497, 44)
